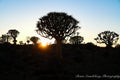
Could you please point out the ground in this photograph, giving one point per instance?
(29, 62)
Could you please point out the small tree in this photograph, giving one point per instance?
(107, 37)
(28, 40)
(76, 40)
(57, 25)
(34, 39)
(21, 43)
(5, 38)
(13, 33)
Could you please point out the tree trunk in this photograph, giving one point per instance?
(59, 49)
(109, 45)
(14, 41)
(7, 39)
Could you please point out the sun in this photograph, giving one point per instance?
(44, 44)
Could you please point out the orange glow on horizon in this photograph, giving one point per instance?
(43, 45)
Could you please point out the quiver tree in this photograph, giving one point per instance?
(21, 43)
(5, 38)
(13, 33)
(57, 25)
(34, 39)
(107, 37)
(76, 39)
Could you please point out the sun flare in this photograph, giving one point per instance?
(44, 44)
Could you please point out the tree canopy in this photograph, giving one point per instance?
(34, 39)
(56, 25)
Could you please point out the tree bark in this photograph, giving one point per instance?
(59, 50)
(14, 41)
(109, 45)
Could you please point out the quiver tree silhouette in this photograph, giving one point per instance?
(13, 33)
(21, 43)
(57, 25)
(76, 39)
(107, 37)
(34, 39)
(5, 38)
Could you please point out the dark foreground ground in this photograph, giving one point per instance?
(27, 62)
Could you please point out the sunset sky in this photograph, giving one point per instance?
(94, 16)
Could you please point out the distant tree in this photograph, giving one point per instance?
(34, 39)
(107, 37)
(57, 25)
(5, 38)
(28, 40)
(21, 42)
(76, 39)
(13, 33)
